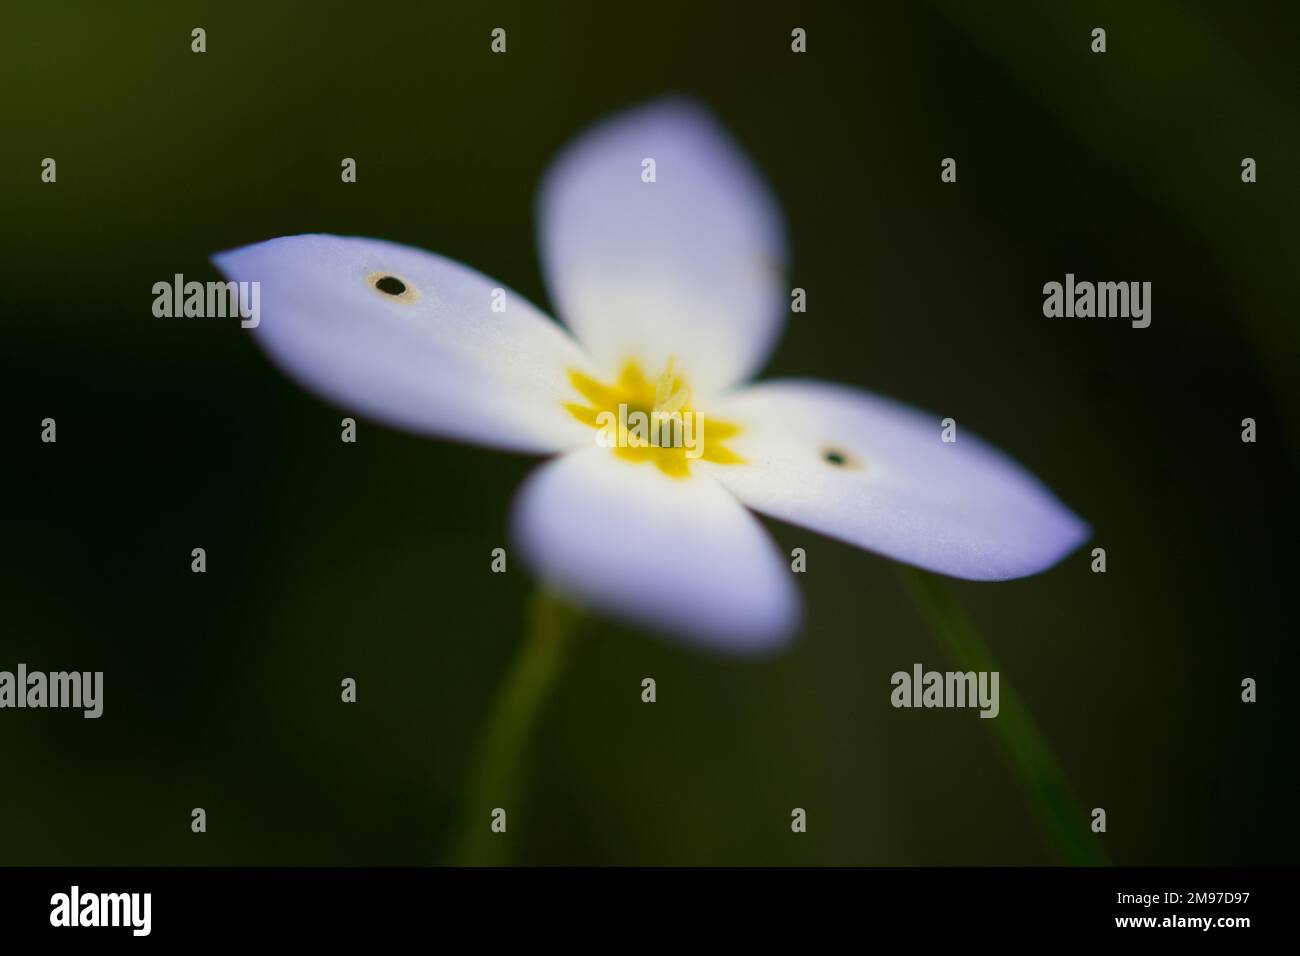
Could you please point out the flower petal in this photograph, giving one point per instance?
(678, 555)
(435, 359)
(689, 265)
(876, 473)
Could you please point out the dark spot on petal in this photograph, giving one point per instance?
(839, 458)
(393, 287)
(391, 284)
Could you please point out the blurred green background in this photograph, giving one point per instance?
(371, 560)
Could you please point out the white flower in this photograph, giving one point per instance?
(674, 293)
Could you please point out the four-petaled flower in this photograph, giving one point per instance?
(673, 292)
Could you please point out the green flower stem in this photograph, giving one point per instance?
(495, 781)
(1061, 819)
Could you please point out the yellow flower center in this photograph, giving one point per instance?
(641, 419)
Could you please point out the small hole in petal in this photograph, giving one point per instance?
(837, 457)
(392, 286)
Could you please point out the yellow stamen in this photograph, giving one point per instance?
(655, 419)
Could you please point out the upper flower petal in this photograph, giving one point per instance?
(876, 473)
(678, 555)
(689, 265)
(435, 357)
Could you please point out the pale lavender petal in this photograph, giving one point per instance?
(437, 359)
(875, 473)
(690, 265)
(676, 555)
